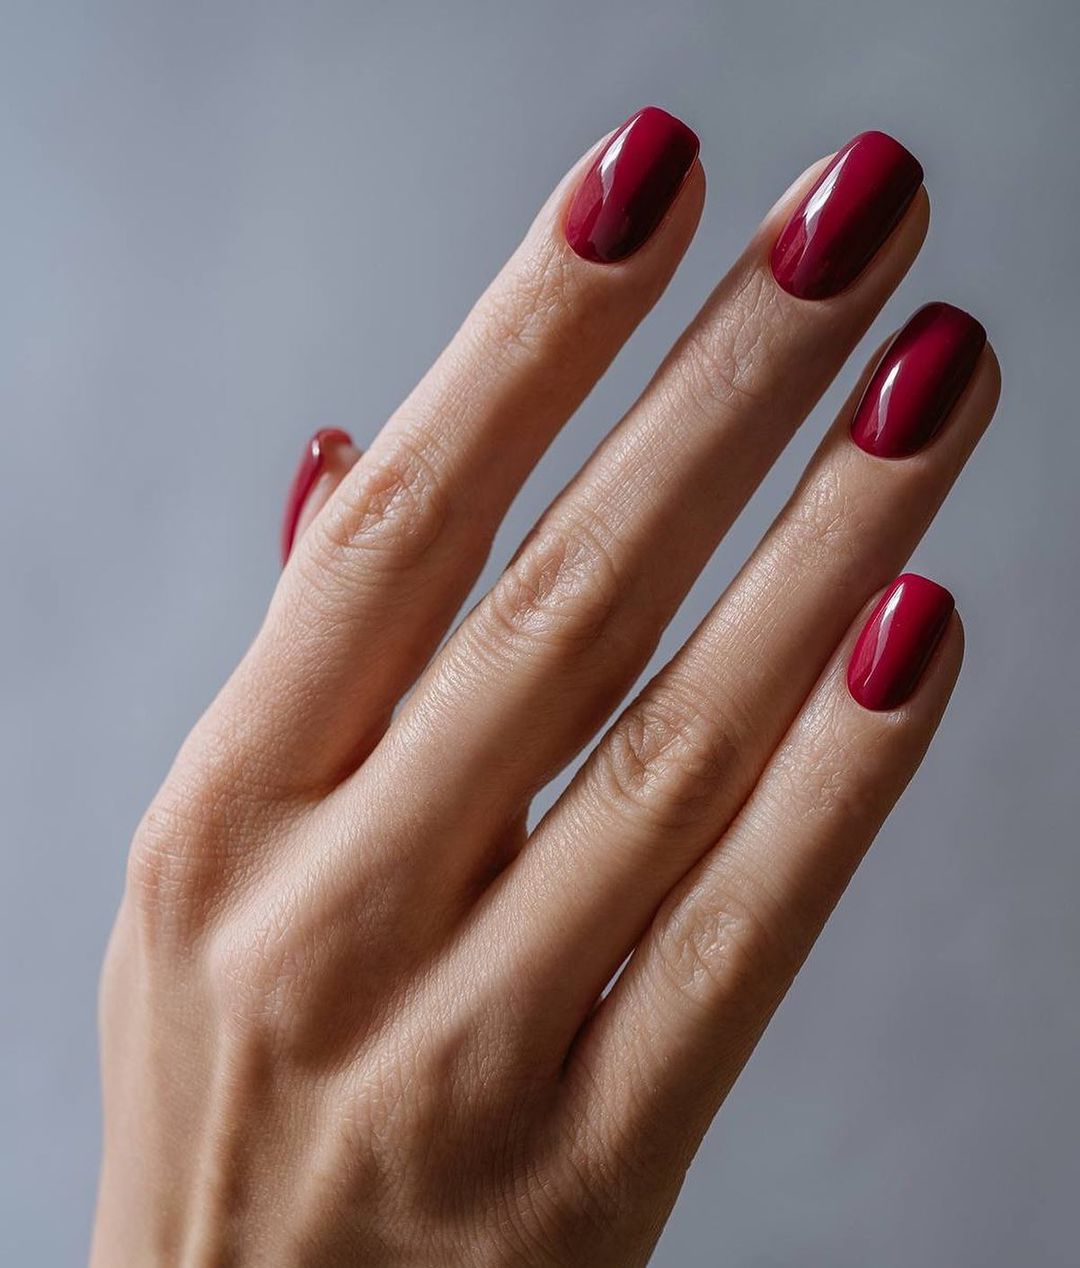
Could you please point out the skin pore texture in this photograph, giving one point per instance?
(352, 1010)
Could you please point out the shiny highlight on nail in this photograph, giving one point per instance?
(918, 381)
(896, 643)
(630, 186)
(846, 218)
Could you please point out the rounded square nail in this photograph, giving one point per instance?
(897, 641)
(845, 219)
(630, 186)
(918, 381)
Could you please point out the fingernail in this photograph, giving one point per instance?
(845, 218)
(630, 186)
(897, 641)
(919, 380)
(312, 465)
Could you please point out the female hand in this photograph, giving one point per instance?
(352, 1012)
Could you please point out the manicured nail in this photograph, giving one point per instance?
(897, 641)
(840, 224)
(312, 465)
(919, 380)
(630, 186)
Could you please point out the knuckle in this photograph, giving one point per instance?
(282, 977)
(723, 358)
(837, 798)
(287, 969)
(722, 949)
(822, 523)
(257, 976)
(396, 506)
(835, 782)
(175, 853)
(669, 755)
(160, 877)
(562, 591)
(532, 307)
(198, 830)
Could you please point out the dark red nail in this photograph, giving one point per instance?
(845, 218)
(897, 641)
(312, 465)
(630, 186)
(918, 381)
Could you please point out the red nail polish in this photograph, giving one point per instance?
(840, 224)
(630, 186)
(897, 641)
(312, 465)
(919, 380)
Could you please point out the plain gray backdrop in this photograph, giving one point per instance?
(225, 224)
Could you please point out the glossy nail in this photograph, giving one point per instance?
(843, 221)
(897, 641)
(630, 186)
(918, 381)
(313, 464)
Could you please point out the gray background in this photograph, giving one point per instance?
(224, 224)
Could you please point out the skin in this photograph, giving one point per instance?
(351, 1010)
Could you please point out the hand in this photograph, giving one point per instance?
(352, 1011)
